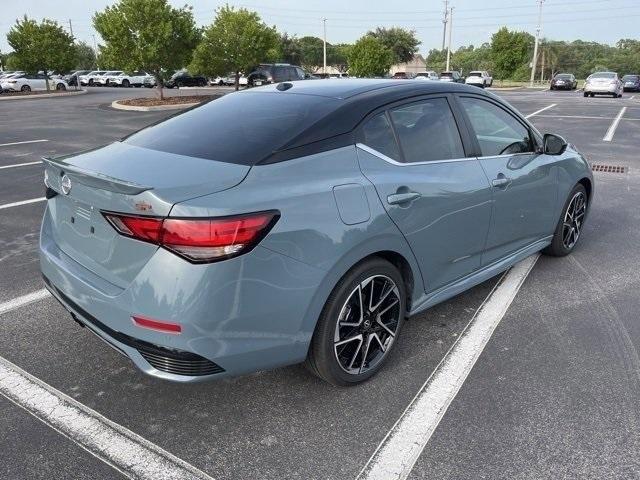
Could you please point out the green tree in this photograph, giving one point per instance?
(312, 52)
(235, 41)
(287, 50)
(437, 60)
(403, 43)
(85, 57)
(370, 58)
(338, 56)
(42, 46)
(510, 51)
(147, 35)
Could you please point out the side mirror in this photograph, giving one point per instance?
(553, 144)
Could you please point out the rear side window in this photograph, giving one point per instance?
(242, 128)
(427, 131)
(377, 134)
(497, 131)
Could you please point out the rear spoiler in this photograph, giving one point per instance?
(90, 178)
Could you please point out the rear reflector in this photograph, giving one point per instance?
(165, 327)
(197, 240)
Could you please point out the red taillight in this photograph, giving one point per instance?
(160, 326)
(198, 240)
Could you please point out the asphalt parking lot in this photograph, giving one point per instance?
(554, 394)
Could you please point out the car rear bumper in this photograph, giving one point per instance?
(601, 89)
(237, 316)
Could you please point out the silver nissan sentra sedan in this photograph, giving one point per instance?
(301, 222)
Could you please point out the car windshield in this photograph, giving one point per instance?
(248, 126)
(475, 74)
(603, 75)
(630, 78)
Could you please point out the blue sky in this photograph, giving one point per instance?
(473, 21)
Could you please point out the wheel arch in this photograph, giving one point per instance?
(588, 186)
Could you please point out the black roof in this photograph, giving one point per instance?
(356, 99)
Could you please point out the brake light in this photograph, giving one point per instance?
(198, 240)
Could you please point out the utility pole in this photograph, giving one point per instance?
(449, 43)
(535, 46)
(95, 49)
(70, 28)
(444, 22)
(324, 46)
(542, 68)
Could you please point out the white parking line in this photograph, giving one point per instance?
(22, 143)
(23, 300)
(19, 165)
(400, 449)
(23, 202)
(612, 129)
(115, 445)
(541, 110)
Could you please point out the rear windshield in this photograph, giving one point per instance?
(563, 76)
(475, 74)
(603, 75)
(629, 78)
(446, 74)
(241, 128)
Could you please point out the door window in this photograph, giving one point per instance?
(497, 131)
(279, 74)
(300, 73)
(427, 131)
(377, 134)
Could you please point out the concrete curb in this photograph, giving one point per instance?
(115, 104)
(44, 95)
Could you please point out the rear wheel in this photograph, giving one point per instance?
(570, 224)
(359, 324)
(585, 94)
(25, 88)
(60, 86)
(126, 83)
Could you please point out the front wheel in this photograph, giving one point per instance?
(60, 86)
(359, 324)
(25, 88)
(570, 224)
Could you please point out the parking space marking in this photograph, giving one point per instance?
(612, 129)
(22, 143)
(23, 202)
(19, 165)
(23, 300)
(400, 449)
(541, 110)
(115, 445)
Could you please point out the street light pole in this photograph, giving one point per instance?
(324, 46)
(535, 45)
(444, 22)
(449, 43)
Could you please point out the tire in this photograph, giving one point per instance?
(90, 83)
(60, 86)
(126, 83)
(563, 241)
(585, 94)
(25, 88)
(362, 353)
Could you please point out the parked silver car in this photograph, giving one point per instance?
(603, 83)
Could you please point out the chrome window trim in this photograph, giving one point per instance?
(390, 160)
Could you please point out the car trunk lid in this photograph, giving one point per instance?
(125, 179)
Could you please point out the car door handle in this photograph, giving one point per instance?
(501, 181)
(399, 198)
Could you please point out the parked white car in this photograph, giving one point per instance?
(231, 80)
(479, 78)
(603, 83)
(136, 79)
(90, 77)
(428, 75)
(26, 83)
(103, 80)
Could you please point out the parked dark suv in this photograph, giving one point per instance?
(275, 73)
(185, 79)
(452, 76)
